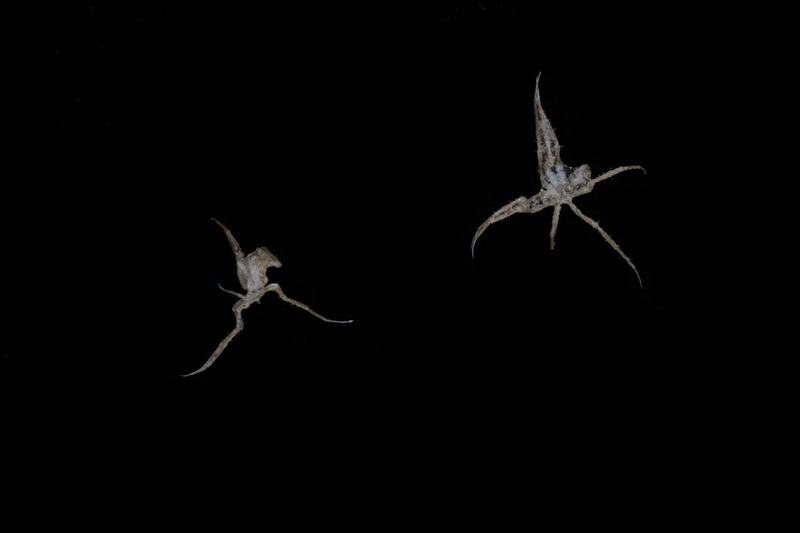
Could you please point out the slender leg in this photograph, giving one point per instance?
(614, 173)
(277, 288)
(238, 307)
(520, 205)
(553, 228)
(607, 237)
(237, 251)
(242, 296)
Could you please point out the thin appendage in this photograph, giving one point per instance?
(608, 239)
(554, 226)
(520, 205)
(237, 250)
(615, 172)
(242, 296)
(238, 307)
(277, 288)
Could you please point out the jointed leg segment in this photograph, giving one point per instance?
(242, 296)
(607, 237)
(614, 172)
(277, 288)
(520, 205)
(237, 251)
(554, 226)
(238, 307)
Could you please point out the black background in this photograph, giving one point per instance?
(364, 146)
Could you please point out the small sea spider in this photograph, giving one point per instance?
(252, 272)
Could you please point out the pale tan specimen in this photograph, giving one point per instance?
(252, 272)
(560, 184)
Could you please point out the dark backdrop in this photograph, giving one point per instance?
(364, 146)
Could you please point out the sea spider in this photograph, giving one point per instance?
(252, 272)
(560, 184)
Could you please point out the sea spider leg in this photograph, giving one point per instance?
(238, 307)
(237, 251)
(520, 205)
(277, 288)
(231, 292)
(614, 173)
(553, 228)
(607, 237)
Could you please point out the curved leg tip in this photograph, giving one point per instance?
(477, 235)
